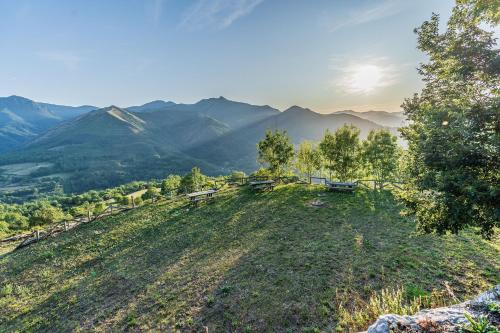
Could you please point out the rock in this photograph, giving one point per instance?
(446, 319)
(316, 203)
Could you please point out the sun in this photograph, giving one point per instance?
(365, 78)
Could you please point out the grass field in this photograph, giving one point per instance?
(247, 262)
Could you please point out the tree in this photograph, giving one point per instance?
(237, 176)
(342, 152)
(85, 208)
(193, 181)
(327, 149)
(276, 151)
(45, 214)
(380, 153)
(151, 193)
(170, 184)
(308, 159)
(453, 143)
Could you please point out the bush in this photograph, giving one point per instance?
(138, 201)
(356, 313)
(46, 214)
(170, 184)
(236, 176)
(4, 227)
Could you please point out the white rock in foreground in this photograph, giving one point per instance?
(447, 319)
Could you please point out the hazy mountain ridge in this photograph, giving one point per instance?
(108, 146)
(22, 119)
(390, 119)
(238, 147)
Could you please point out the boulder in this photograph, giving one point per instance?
(446, 319)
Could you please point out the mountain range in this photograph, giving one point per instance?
(87, 147)
(22, 119)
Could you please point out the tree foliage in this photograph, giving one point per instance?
(308, 159)
(193, 181)
(276, 151)
(453, 168)
(380, 154)
(170, 184)
(45, 214)
(342, 152)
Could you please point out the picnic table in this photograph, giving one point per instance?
(195, 197)
(262, 185)
(341, 186)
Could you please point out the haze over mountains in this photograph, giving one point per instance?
(85, 147)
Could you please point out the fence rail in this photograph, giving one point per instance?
(174, 195)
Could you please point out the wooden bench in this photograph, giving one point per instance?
(341, 186)
(262, 185)
(196, 197)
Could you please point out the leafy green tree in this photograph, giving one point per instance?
(236, 176)
(380, 153)
(45, 214)
(124, 200)
(16, 220)
(86, 208)
(261, 172)
(170, 184)
(99, 208)
(151, 193)
(276, 151)
(342, 152)
(308, 159)
(138, 201)
(327, 148)
(453, 169)
(193, 181)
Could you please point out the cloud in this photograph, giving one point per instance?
(155, 9)
(68, 59)
(364, 76)
(381, 10)
(218, 14)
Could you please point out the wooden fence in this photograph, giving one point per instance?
(175, 194)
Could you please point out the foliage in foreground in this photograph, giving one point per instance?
(454, 145)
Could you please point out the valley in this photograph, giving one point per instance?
(89, 148)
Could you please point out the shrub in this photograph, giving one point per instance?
(356, 313)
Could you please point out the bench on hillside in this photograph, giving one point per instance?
(196, 197)
(341, 186)
(262, 185)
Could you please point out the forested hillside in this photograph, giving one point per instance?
(112, 146)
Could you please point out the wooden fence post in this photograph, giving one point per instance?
(37, 233)
(133, 201)
(65, 226)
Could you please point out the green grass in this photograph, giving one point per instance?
(251, 262)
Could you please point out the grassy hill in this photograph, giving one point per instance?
(246, 262)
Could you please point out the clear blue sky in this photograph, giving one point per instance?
(326, 55)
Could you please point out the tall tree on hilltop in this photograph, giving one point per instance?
(327, 149)
(342, 152)
(308, 159)
(380, 153)
(193, 181)
(276, 150)
(453, 136)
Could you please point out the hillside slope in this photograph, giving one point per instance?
(22, 119)
(237, 149)
(247, 262)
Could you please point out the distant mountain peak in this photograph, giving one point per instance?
(296, 108)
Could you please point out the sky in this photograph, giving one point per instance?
(327, 55)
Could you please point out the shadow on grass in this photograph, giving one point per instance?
(257, 261)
